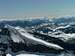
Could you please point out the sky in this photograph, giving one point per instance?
(37, 7)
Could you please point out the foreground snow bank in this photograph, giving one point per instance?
(25, 55)
(29, 55)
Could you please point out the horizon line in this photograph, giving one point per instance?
(9, 17)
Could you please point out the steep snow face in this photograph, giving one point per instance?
(23, 33)
(15, 36)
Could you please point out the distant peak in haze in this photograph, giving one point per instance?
(33, 17)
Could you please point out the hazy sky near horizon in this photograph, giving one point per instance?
(37, 7)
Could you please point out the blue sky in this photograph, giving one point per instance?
(37, 7)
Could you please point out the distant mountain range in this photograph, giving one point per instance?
(39, 35)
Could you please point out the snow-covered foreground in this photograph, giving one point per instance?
(25, 55)
(29, 55)
(62, 54)
(37, 55)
